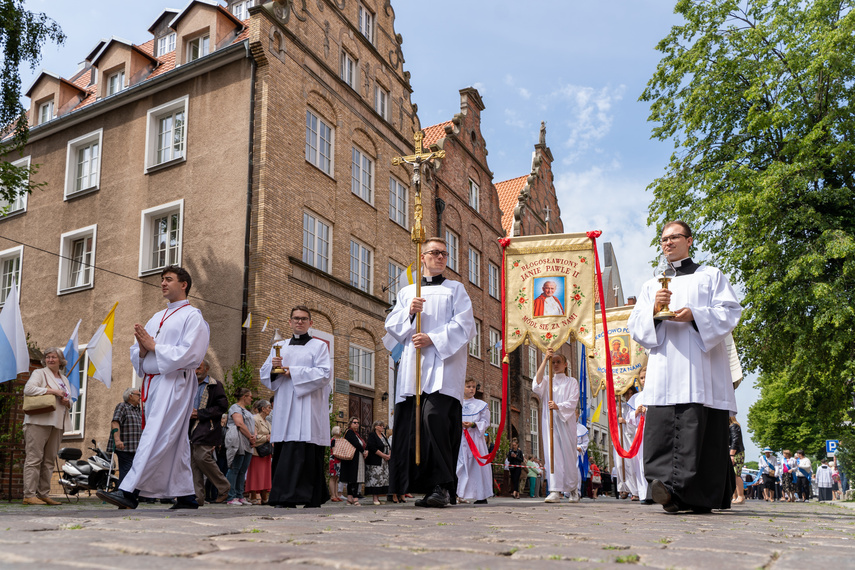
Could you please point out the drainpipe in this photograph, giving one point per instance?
(247, 247)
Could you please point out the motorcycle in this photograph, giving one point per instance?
(95, 473)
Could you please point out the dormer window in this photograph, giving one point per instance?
(199, 47)
(45, 112)
(366, 23)
(166, 44)
(240, 10)
(116, 82)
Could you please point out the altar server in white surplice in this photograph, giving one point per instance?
(447, 326)
(474, 481)
(689, 390)
(301, 427)
(565, 477)
(168, 350)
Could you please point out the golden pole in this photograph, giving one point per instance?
(551, 423)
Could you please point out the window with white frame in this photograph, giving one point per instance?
(116, 82)
(452, 242)
(532, 361)
(166, 44)
(10, 271)
(381, 102)
(240, 10)
(475, 343)
(474, 267)
(398, 201)
(533, 422)
(395, 273)
(20, 202)
(366, 23)
(319, 141)
(495, 412)
(78, 408)
(77, 258)
(83, 163)
(45, 112)
(362, 175)
(166, 133)
(474, 195)
(348, 68)
(161, 237)
(198, 47)
(360, 266)
(361, 362)
(316, 242)
(495, 347)
(493, 280)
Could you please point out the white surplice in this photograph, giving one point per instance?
(687, 365)
(301, 406)
(447, 319)
(161, 466)
(565, 476)
(638, 484)
(474, 481)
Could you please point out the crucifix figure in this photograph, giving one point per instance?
(548, 211)
(417, 160)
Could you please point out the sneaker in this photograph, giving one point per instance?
(574, 496)
(235, 502)
(553, 497)
(245, 502)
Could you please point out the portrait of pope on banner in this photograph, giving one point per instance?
(549, 303)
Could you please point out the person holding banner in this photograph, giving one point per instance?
(565, 477)
(474, 481)
(689, 390)
(447, 325)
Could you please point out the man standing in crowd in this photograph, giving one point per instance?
(206, 434)
(126, 419)
(167, 352)
(300, 419)
(689, 390)
(447, 326)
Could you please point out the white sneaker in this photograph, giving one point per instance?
(553, 497)
(245, 502)
(574, 496)
(235, 502)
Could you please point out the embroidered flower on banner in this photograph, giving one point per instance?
(576, 296)
(516, 263)
(517, 333)
(583, 259)
(521, 299)
(546, 337)
(583, 329)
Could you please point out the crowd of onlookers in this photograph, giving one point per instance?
(793, 478)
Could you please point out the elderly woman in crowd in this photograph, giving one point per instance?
(335, 467)
(240, 437)
(127, 420)
(258, 475)
(377, 462)
(353, 470)
(43, 431)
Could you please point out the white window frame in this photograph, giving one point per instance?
(453, 244)
(201, 43)
(362, 175)
(475, 343)
(495, 353)
(395, 272)
(8, 256)
(78, 408)
(359, 267)
(93, 140)
(45, 112)
(357, 371)
(147, 219)
(381, 101)
(317, 242)
(68, 265)
(534, 431)
(240, 10)
(348, 69)
(365, 22)
(474, 195)
(152, 133)
(399, 202)
(114, 87)
(166, 44)
(493, 288)
(532, 361)
(19, 206)
(495, 412)
(316, 128)
(474, 266)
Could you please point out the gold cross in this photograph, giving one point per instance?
(419, 157)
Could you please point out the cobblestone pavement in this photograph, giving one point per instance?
(521, 533)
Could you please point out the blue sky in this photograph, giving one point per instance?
(578, 65)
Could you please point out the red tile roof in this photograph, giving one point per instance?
(434, 133)
(508, 192)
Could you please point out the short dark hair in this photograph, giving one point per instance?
(181, 273)
(303, 308)
(686, 229)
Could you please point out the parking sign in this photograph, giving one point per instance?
(831, 447)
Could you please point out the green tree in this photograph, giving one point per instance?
(22, 34)
(757, 97)
(238, 376)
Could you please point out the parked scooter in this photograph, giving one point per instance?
(91, 475)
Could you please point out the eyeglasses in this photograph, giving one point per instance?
(672, 237)
(299, 319)
(437, 253)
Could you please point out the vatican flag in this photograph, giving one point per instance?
(100, 349)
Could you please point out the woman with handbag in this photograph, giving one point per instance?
(44, 423)
(377, 462)
(240, 437)
(353, 469)
(258, 475)
(335, 467)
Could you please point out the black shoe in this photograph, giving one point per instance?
(662, 495)
(118, 498)
(438, 499)
(481, 502)
(188, 502)
(422, 502)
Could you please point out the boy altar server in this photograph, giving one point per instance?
(474, 481)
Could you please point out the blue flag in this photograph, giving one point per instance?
(583, 418)
(71, 355)
(14, 354)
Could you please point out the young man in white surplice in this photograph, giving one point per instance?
(474, 481)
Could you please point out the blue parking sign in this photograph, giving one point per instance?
(831, 446)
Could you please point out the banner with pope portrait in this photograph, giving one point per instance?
(550, 284)
(628, 357)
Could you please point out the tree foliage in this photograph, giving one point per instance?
(22, 34)
(758, 99)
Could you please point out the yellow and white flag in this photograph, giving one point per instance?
(407, 277)
(247, 324)
(596, 417)
(266, 322)
(100, 349)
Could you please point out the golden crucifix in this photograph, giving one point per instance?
(416, 160)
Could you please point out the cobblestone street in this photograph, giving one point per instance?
(506, 533)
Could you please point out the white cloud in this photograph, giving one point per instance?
(589, 113)
(512, 119)
(524, 93)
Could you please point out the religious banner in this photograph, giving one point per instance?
(550, 284)
(627, 357)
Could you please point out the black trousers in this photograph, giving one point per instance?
(442, 428)
(298, 474)
(803, 488)
(687, 447)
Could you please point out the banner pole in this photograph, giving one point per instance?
(551, 423)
